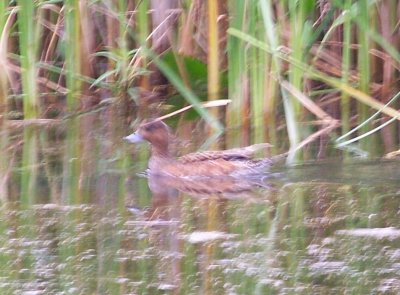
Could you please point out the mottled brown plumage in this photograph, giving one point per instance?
(234, 162)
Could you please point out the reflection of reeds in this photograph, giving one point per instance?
(6, 164)
(29, 169)
(71, 188)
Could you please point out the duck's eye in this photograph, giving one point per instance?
(150, 127)
(153, 126)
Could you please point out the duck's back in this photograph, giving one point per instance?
(236, 154)
(233, 162)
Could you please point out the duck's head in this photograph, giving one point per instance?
(155, 132)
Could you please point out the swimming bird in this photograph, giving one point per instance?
(237, 162)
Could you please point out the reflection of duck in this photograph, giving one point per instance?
(234, 162)
(220, 186)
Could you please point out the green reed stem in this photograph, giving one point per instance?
(143, 31)
(3, 55)
(346, 63)
(72, 167)
(143, 21)
(72, 52)
(236, 53)
(363, 64)
(122, 39)
(3, 14)
(297, 20)
(28, 44)
(213, 52)
(213, 77)
(258, 76)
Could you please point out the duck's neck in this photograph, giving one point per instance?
(159, 158)
(160, 151)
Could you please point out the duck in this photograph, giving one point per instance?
(236, 162)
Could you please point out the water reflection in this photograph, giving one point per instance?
(222, 186)
(84, 223)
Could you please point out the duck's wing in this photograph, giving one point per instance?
(245, 153)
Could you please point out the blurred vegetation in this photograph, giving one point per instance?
(296, 71)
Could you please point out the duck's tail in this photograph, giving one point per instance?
(278, 158)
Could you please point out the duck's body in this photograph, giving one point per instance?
(234, 162)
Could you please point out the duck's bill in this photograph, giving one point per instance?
(133, 138)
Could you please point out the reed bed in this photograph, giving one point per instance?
(296, 71)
